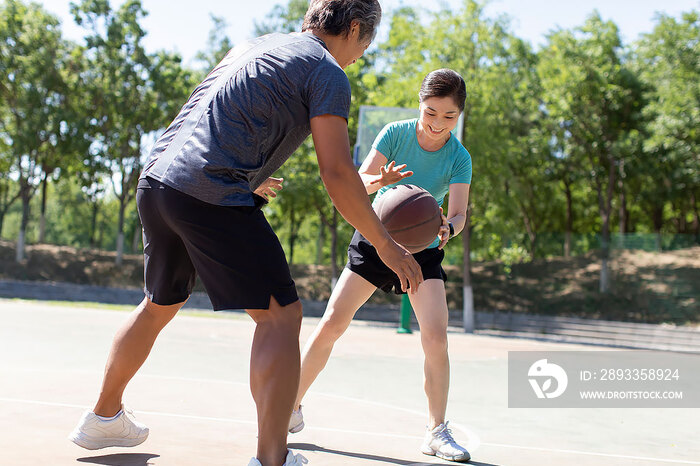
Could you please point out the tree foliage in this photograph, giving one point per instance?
(572, 142)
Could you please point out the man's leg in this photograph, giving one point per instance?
(131, 346)
(274, 376)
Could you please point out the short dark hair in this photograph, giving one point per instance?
(444, 83)
(335, 16)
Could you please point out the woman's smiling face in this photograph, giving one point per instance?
(438, 116)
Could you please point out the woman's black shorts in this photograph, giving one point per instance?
(364, 261)
(233, 250)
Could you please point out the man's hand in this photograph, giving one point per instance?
(402, 263)
(268, 187)
(349, 196)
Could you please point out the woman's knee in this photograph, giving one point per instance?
(332, 326)
(434, 341)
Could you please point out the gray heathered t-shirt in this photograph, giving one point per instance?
(248, 116)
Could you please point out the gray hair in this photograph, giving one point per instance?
(334, 17)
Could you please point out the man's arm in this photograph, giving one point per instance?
(346, 190)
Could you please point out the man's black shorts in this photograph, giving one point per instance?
(364, 261)
(233, 250)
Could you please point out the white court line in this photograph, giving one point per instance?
(374, 434)
(473, 440)
(206, 418)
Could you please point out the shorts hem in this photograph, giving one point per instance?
(162, 301)
(283, 299)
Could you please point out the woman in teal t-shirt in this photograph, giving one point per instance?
(441, 165)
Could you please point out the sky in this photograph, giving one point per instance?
(184, 26)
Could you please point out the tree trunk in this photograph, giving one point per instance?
(657, 218)
(624, 214)
(7, 201)
(93, 224)
(468, 314)
(693, 200)
(569, 219)
(101, 236)
(21, 239)
(605, 250)
(120, 235)
(529, 228)
(42, 214)
(321, 240)
(605, 209)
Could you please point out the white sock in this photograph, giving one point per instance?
(102, 418)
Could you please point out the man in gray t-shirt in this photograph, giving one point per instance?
(199, 200)
(224, 143)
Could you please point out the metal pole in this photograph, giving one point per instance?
(405, 317)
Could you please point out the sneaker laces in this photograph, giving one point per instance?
(445, 435)
(299, 459)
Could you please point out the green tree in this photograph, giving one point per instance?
(668, 62)
(33, 94)
(131, 93)
(590, 91)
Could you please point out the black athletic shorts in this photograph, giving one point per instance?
(233, 250)
(364, 261)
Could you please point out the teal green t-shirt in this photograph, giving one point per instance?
(432, 171)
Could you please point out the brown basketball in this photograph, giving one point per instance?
(410, 215)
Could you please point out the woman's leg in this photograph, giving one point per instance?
(351, 292)
(430, 305)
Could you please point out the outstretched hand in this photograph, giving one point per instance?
(391, 174)
(269, 187)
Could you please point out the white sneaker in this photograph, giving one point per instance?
(122, 431)
(291, 460)
(439, 442)
(296, 422)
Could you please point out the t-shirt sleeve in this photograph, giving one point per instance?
(384, 142)
(328, 91)
(462, 172)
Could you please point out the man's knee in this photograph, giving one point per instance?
(290, 314)
(160, 312)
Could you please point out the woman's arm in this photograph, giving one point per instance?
(456, 212)
(375, 174)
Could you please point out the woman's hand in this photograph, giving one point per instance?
(444, 231)
(391, 174)
(268, 187)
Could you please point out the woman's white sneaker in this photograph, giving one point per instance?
(291, 460)
(94, 433)
(296, 422)
(439, 442)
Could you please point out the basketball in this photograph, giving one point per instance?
(410, 215)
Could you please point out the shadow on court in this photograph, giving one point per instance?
(374, 458)
(121, 459)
